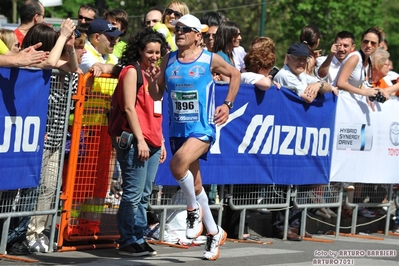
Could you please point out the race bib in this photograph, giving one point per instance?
(185, 106)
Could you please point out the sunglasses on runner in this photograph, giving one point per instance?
(184, 29)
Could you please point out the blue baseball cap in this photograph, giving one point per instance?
(101, 25)
(299, 49)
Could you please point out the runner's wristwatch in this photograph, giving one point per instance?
(229, 104)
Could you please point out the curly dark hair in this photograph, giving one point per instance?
(260, 58)
(264, 42)
(138, 43)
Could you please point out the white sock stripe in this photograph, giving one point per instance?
(184, 177)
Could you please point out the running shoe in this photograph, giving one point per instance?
(213, 243)
(194, 223)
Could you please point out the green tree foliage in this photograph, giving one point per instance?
(70, 8)
(389, 20)
(288, 17)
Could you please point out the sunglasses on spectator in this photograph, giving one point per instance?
(148, 22)
(169, 12)
(207, 35)
(85, 18)
(110, 39)
(365, 42)
(184, 29)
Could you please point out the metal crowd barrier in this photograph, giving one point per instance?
(250, 197)
(166, 199)
(395, 211)
(318, 196)
(29, 205)
(369, 195)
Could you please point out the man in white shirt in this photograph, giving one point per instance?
(293, 75)
(327, 67)
(102, 37)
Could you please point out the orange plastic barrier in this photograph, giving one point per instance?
(88, 211)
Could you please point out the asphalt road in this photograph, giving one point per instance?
(382, 251)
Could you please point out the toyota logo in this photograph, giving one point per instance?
(394, 133)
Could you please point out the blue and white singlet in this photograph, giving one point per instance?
(191, 94)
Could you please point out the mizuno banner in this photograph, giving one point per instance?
(271, 137)
(23, 109)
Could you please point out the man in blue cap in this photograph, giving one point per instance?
(293, 75)
(102, 37)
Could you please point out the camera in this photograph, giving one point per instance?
(379, 98)
(125, 141)
(273, 72)
(77, 33)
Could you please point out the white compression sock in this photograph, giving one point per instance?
(187, 186)
(207, 219)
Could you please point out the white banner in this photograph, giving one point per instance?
(366, 142)
(48, 3)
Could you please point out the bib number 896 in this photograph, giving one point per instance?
(184, 105)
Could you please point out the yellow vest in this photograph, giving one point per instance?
(98, 102)
(3, 47)
(161, 28)
(119, 48)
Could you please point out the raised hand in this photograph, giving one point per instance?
(67, 28)
(152, 74)
(334, 48)
(29, 56)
